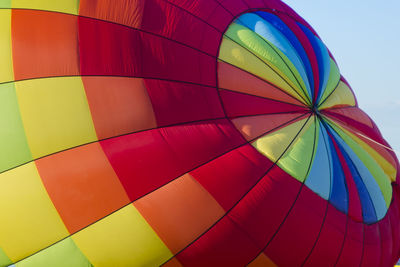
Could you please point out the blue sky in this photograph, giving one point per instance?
(364, 37)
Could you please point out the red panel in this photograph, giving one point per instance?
(264, 208)
(356, 119)
(229, 177)
(44, 44)
(372, 246)
(165, 59)
(300, 230)
(385, 231)
(255, 3)
(109, 49)
(330, 241)
(234, 7)
(238, 104)
(394, 216)
(147, 160)
(208, 10)
(353, 245)
(220, 18)
(167, 20)
(180, 102)
(224, 245)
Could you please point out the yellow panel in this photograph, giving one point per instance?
(388, 168)
(122, 239)
(297, 159)
(342, 96)
(29, 220)
(269, 54)
(55, 114)
(6, 66)
(236, 55)
(274, 144)
(65, 6)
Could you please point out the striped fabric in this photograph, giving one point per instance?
(184, 133)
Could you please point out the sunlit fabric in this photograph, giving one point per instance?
(185, 133)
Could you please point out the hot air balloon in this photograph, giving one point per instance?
(185, 133)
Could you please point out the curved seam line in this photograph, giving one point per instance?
(295, 200)
(196, 167)
(244, 195)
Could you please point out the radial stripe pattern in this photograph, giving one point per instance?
(184, 133)
(256, 43)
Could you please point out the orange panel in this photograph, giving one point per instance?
(173, 263)
(262, 261)
(235, 79)
(118, 105)
(127, 12)
(82, 185)
(44, 44)
(255, 126)
(180, 211)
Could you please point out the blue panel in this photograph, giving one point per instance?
(339, 196)
(368, 209)
(319, 178)
(367, 178)
(322, 57)
(270, 33)
(291, 37)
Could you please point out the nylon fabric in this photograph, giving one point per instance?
(279, 41)
(291, 37)
(320, 176)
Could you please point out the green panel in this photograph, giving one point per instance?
(298, 158)
(62, 254)
(333, 81)
(382, 179)
(274, 144)
(269, 54)
(14, 148)
(4, 260)
(5, 3)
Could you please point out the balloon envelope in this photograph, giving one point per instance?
(185, 133)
